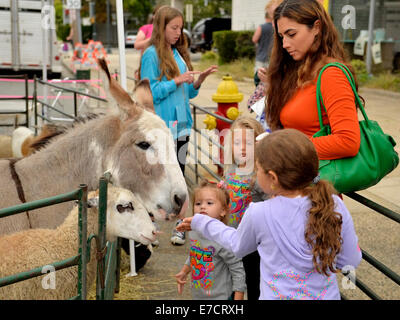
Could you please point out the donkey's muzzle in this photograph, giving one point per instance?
(179, 200)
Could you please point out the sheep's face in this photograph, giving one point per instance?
(127, 217)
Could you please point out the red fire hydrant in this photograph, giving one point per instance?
(227, 98)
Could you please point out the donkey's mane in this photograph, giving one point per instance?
(52, 131)
(43, 140)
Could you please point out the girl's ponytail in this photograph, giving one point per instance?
(292, 156)
(323, 230)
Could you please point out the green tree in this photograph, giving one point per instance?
(62, 30)
(209, 8)
(140, 11)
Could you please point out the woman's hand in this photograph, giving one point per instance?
(262, 74)
(185, 225)
(238, 295)
(187, 77)
(204, 75)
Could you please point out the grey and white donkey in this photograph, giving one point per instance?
(131, 142)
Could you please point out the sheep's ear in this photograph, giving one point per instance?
(144, 96)
(93, 202)
(126, 105)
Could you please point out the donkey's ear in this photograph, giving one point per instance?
(125, 103)
(144, 96)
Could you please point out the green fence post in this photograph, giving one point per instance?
(82, 252)
(100, 289)
(118, 271)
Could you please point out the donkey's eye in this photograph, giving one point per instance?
(143, 145)
(122, 208)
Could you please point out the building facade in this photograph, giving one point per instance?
(248, 15)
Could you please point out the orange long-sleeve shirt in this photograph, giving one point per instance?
(300, 113)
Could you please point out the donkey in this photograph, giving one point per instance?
(131, 143)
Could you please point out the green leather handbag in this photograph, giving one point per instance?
(376, 156)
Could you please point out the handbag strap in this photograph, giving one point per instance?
(350, 77)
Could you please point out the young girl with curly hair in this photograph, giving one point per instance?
(215, 272)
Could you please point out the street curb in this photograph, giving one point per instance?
(383, 92)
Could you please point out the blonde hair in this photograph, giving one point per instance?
(242, 122)
(271, 4)
(167, 63)
(221, 193)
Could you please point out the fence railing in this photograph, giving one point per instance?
(108, 274)
(394, 216)
(36, 101)
(108, 254)
(25, 97)
(75, 94)
(79, 260)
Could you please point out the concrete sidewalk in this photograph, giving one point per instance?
(378, 235)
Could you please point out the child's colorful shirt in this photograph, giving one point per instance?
(216, 272)
(241, 192)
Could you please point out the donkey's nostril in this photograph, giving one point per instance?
(179, 200)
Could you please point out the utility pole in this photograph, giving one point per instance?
(45, 46)
(370, 36)
(121, 43)
(189, 16)
(108, 27)
(79, 24)
(92, 14)
(75, 18)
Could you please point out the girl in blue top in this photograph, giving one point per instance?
(166, 63)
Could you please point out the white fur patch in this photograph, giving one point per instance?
(96, 152)
(19, 135)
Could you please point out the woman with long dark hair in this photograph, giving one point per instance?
(305, 40)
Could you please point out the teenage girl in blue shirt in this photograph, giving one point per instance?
(166, 63)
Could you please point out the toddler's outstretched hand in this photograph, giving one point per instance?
(181, 278)
(185, 225)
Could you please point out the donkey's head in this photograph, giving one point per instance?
(144, 160)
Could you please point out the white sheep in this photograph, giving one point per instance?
(29, 249)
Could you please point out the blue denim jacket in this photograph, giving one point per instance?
(171, 102)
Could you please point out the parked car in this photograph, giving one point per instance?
(202, 32)
(130, 38)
